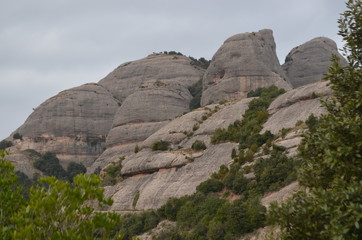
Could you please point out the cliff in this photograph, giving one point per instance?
(147, 101)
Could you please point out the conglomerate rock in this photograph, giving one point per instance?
(309, 62)
(243, 63)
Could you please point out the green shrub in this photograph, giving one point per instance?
(201, 62)
(97, 171)
(275, 171)
(135, 199)
(195, 127)
(246, 131)
(49, 164)
(112, 174)
(74, 169)
(312, 122)
(210, 185)
(18, 136)
(136, 149)
(160, 146)
(198, 145)
(196, 91)
(255, 93)
(171, 207)
(5, 144)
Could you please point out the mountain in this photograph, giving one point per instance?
(126, 118)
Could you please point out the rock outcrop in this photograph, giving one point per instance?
(308, 62)
(153, 91)
(243, 63)
(156, 176)
(73, 124)
(125, 107)
(147, 101)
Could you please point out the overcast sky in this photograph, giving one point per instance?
(47, 46)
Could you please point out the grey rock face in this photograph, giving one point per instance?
(86, 110)
(244, 62)
(156, 91)
(156, 188)
(133, 76)
(308, 62)
(297, 104)
(73, 124)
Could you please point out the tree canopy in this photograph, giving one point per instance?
(330, 205)
(56, 209)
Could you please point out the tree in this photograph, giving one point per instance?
(331, 207)
(74, 169)
(56, 209)
(10, 195)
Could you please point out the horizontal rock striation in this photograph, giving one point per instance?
(243, 63)
(309, 62)
(73, 124)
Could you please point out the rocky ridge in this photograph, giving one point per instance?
(147, 101)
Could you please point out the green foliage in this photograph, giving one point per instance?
(134, 224)
(195, 127)
(74, 169)
(112, 174)
(201, 62)
(4, 144)
(160, 146)
(55, 209)
(196, 91)
(171, 207)
(173, 53)
(275, 171)
(246, 131)
(312, 122)
(49, 164)
(135, 199)
(10, 195)
(255, 93)
(58, 210)
(210, 185)
(25, 183)
(18, 136)
(198, 145)
(332, 153)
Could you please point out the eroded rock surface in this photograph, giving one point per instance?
(308, 62)
(244, 62)
(73, 124)
(296, 105)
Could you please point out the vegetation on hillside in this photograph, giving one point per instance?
(330, 206)
(55, 209)
(209, 213)
(196, 91)
(49, 164)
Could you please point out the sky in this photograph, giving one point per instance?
(50, 46)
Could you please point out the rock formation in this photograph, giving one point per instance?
(153, 91)
(308, 62)
(147, 101)
(125, 107)
(73, 124)
(156, 176)
(243, 63)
